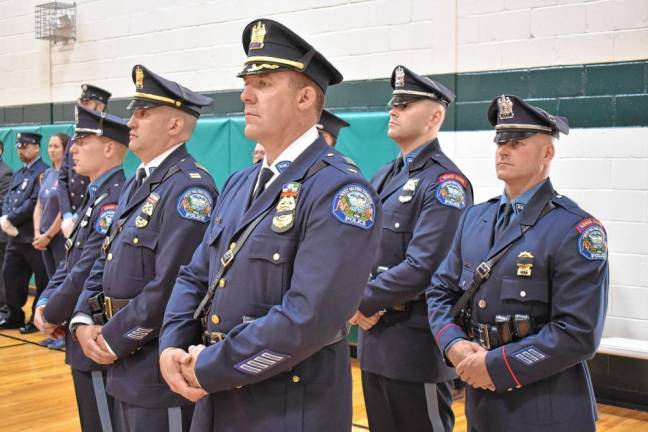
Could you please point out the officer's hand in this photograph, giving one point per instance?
(473, 371)
(42, 325)
(171, 367)
(87, 336)
(8, 227)
(188, 365)
(365, 323)
(67, 225)
(460, 350)
(40, 242)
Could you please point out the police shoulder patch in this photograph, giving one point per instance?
(195, 204)
(353, 205)
(451, 190)
(104, 218)
(592, 242)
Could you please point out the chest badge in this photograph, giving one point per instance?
(409, 189)
(284, 217)
(147, 210)
(24, 184)
(524, 264)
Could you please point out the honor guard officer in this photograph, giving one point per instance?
(282, 266)
(160, 219)
(22, 260)
(329, 126)
(404, 378)
(519, 303)
(99, 150)
(72, 186)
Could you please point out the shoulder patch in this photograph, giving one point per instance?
(451, 190)
(592, 242)
(105, 218)
(196, 204)
(353, 205)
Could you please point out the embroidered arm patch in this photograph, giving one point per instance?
(195, 204)
(529, 356)
(260, 362)
(104, 219)
(353, 205)
(451, 190)
(592, 242)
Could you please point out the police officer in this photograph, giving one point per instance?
(404, 377)
(159, 221)
(329, 126)
(99, 150)
(519, 303)
(72, 186)
(22, 260)
(281, 267)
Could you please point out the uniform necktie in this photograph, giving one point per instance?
(139, 179)
(396, 169)
(503, 221)
(264, 176)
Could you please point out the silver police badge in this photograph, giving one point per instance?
(505, 108)
(409, 189)
(399, 77)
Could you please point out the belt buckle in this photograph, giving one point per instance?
(227, 258)
(483, 270)
(484, 335)
(108, 309)
(215, 337)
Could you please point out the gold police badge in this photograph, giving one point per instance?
(524, 264)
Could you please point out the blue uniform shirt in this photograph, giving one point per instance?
(518, 203)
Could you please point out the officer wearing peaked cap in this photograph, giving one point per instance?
(518, 305)
(22, 260)
(160, 218)
(282, 265)
(329, 126)
(98, 152)
(72, 186)
(405, 380)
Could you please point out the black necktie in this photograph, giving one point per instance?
(139, 179)
(503, 221)
(264, 176)
(395, 170)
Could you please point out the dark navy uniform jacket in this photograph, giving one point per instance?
(66, 284)
(72, 186)
(418, 227)
(542, 381)
(283, 301)
(20, 200)
(165, 221)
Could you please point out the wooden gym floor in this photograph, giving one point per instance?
(36, 393)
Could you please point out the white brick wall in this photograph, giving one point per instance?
(606, 172)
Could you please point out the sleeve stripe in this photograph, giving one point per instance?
(443, 330)
(515, 378)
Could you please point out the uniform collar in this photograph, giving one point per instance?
(157, 161)
(409, 157)
(292, 152)
(94, 185)
(31, 164)
(520, 202)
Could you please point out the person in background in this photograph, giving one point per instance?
(72, 187)
(258, 153)
(329, 127)
(47, 217)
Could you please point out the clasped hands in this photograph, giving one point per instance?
(469, 359)
(178, 369)
(54, 331)
(94, 345)
(366, 322)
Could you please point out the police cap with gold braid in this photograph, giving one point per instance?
(152, 90)
(273, 47)
(514, 119)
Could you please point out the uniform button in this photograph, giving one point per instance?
(72, 194)
(135, 240)
(215, 319)
(81, 195)
(221, 283)
(518, 386)
(509, 389)
(72, 180)
(78, 244)
(396, 225)
(330, 154)
(522, 294)
(296, 378)
(482, 304)
(276, 256)
(109, 257)
(232, 245)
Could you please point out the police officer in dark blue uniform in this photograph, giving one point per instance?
(282, 265)
(72, 186)
(405, 380)
(22, 260)
(519, 303)
(99, 150)
(329, 126)
(160, 219)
